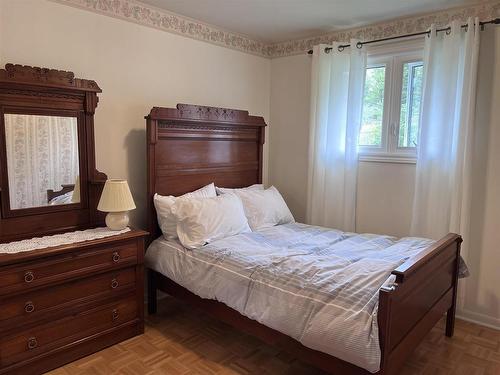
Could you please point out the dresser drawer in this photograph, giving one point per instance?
(25, 276)
(50, 336)
(38, 304)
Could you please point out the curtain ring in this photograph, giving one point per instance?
(428, 34)
(359, 45)
(328, 49)
(448, 31)
(466, 27)
(340, 48)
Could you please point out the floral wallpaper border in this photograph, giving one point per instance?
(146, 15)
(135, 11)
(407, 25)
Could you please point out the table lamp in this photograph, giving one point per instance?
(116, 200)
(75, 197)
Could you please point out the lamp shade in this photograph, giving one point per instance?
(116, 197)
(75, 198)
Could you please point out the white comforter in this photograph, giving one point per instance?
(317, 285)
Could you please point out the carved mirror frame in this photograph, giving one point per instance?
(42, 91)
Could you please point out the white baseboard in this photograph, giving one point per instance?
(477, 318)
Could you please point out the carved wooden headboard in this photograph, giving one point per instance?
(191, 146)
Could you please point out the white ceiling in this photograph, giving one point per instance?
(279, 20)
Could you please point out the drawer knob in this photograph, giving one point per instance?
(116, 257)
(29, 277)
(29, 307)
(114, 314)
(32, 343)
(114, 283)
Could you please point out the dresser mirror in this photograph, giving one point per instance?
(43, 165)
(49, 182)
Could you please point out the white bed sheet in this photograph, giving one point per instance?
(317, 285)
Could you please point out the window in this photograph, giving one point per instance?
(391, 104)
(411, 95)
(373, 107)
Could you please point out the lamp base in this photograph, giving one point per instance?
(117, 220)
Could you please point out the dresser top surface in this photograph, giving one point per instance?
(11, 258)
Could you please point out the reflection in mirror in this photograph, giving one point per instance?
(42, 160)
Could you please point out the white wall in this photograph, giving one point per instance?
(289, 133)
(393, 187)
(385, 191)
(137, 68)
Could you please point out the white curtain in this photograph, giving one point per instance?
(443, 177)
(337, 83)
(42, 154)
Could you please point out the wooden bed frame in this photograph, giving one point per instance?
(191, 146)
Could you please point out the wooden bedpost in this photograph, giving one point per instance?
(152, 293)
(450, 314)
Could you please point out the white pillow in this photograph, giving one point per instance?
(163, 205)
(63, 199)
(265, 208)
(204, 220)
(221, 190)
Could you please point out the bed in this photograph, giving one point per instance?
(191, 146)
(60, 196)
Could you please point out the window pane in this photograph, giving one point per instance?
(373, 107)
(411, 98)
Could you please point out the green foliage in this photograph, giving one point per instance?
(411, 97)
(373, 107)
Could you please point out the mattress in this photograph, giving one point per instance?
(317, 285)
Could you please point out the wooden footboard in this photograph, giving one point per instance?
(425, 288)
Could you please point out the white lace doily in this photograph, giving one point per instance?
(58, 239)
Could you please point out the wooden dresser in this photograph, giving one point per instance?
(62, 303)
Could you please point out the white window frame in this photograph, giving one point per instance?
(393, 56)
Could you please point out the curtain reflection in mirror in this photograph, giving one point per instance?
(42, 155)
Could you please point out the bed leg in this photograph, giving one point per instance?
(152, 293)
(450, 321)
(450, 314)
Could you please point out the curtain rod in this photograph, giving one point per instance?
(340, 48)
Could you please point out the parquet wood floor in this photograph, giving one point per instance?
(179, 340)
